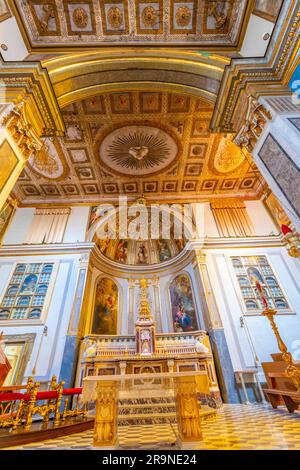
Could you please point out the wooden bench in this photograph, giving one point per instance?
(282, 391)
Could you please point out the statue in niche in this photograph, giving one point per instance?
(106, 308)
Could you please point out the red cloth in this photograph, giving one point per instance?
(11, 396)
(50, 395)
(72, 391)
(286, 229)
(4, 367)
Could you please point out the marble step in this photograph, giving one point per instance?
(147, 410)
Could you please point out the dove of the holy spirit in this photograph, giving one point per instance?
(139, 152)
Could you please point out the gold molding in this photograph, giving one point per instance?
(216, 48)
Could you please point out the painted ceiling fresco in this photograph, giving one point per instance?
(63, 23)
(133, 143)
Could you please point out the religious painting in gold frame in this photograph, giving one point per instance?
(276, 211)
(105, 307)
(8, 162)
(5, 217)
(4, 11)
(267, 9)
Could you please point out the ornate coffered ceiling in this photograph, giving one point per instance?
(136, 142)
(57, 24)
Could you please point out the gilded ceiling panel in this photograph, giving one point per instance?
(131, 143)
(61, 23)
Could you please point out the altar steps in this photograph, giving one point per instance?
(147, 411)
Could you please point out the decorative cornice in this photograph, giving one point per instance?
(265, 76)
(29, 82)
(46, 249)
(256, 119)
(128, 271)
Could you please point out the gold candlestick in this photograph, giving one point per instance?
(292, 371)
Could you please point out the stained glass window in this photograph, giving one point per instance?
(25, 295)
(249, 268)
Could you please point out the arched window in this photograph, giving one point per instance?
(106, 308)
(251, 305)
(243, 281)
(183, 306)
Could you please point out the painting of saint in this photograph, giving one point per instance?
(163, 250)
(106, 308)
(183, 306)
(121, 252)
(142, 254)
(254, 275)
(103, 244)
(28, 286)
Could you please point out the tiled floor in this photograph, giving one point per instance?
(235, 427)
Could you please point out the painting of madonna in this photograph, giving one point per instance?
(183, 306)
(106, 308)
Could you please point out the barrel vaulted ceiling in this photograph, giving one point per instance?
(137, 142)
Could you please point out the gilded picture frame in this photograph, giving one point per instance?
(4, 11)
(8, 162)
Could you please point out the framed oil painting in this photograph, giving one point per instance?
(106, 308)
(8, 162)
(6, 214)
(4, 10)
(183, 305)
(267, 9)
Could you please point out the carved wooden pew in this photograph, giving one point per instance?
(280, 389)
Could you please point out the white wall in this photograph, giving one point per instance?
(254, 45)
(230, 304)
(77, 224)
(57, 314)
(10, 36)
(260, 219)
(23, 220)
(19, 227)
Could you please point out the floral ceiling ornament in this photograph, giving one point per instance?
(115, 17)
(80, 17)
(49, 160)
(150, 16)
(183, 16)
(228, 156)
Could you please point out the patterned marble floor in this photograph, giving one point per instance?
(236, 427)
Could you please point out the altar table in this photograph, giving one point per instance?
(184, 386)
